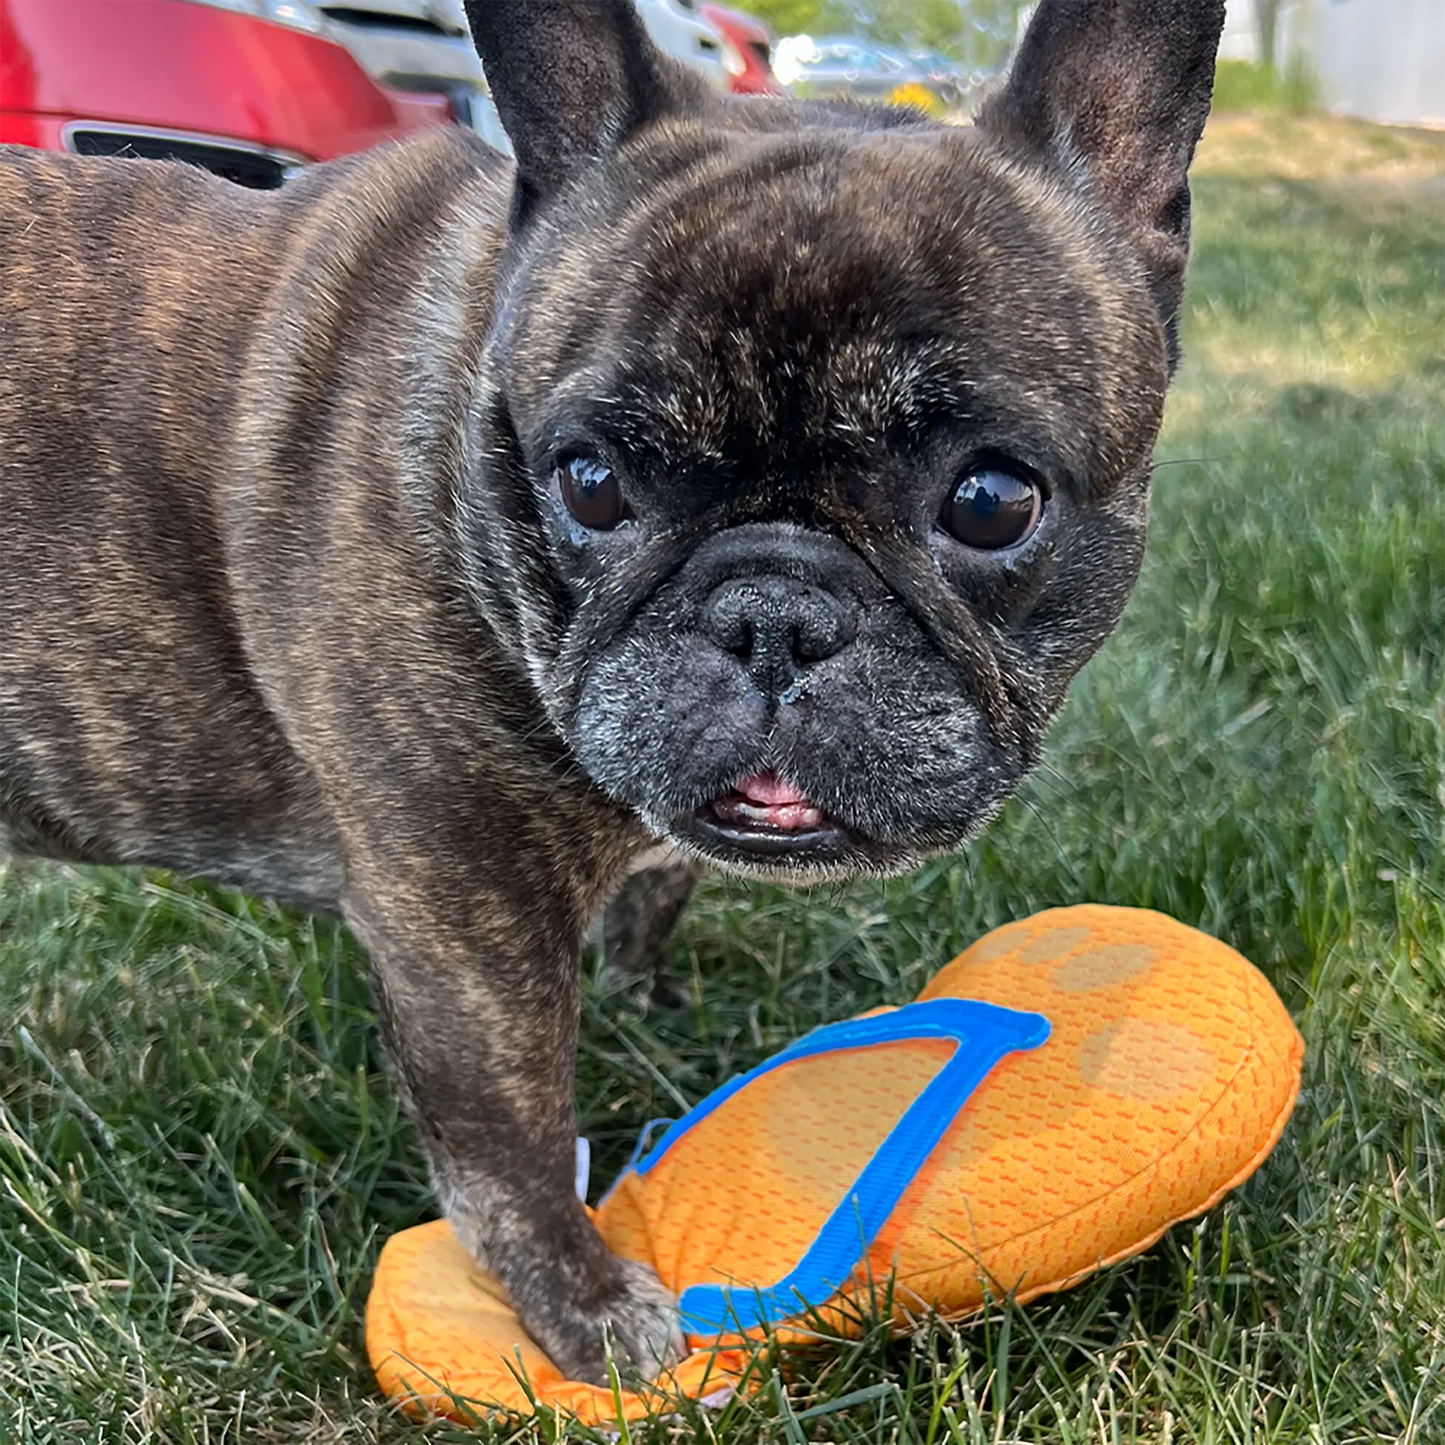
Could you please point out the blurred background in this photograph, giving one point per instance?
(254, 88)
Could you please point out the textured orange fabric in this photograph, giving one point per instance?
(439, 1330)
(1169, 1073)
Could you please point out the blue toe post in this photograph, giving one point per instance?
(983, 1033)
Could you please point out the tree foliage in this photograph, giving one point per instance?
(788, 17)
(977, 31)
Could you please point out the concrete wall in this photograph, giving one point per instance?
(1240, 40)
(1378, 59)
(1381, 59)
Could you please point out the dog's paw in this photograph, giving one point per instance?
(588, 1310)
(638, 1331)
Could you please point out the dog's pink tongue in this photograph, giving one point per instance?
(768, 790)
(765, 798)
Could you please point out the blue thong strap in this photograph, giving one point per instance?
(983, 1034)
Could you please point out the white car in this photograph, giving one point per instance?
(678, 30)
(424, 45)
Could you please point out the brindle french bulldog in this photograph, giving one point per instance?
(431, 540)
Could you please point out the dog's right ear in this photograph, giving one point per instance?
(572, 79)
(1115, 93)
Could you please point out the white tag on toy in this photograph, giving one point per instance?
(584, 1167)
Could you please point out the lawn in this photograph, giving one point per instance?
(200, 1154)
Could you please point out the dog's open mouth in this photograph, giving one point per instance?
(765, 814)
(765, 801)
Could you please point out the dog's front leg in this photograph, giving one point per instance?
(479, 998)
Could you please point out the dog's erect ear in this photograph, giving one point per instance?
(571, 80)
(1119, 90)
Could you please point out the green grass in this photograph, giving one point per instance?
(1241, 85)
(200, 1155)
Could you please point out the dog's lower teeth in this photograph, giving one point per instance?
(789, 818)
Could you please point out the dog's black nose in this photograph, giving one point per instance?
(777, 626)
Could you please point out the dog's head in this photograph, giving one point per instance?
(812, 454)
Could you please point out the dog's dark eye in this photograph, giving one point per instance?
(991, 508)
(592, 493)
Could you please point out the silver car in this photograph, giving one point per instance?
(425, 45)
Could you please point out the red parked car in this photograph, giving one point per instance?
(242, 87)
(747, 50)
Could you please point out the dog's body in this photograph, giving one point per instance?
(426, 542)
(187, 763)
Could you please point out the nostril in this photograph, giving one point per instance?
(728, 620)
(819, 629)
(738, 638)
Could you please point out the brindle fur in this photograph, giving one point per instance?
(289, 598)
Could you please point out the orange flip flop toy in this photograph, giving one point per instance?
(1058, 1096)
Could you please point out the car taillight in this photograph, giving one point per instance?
(297, 14)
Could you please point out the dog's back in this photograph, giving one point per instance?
(141, 301)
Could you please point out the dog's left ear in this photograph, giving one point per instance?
(1116, 93)
(572, 79)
